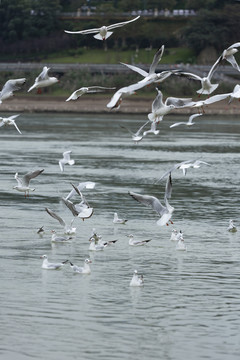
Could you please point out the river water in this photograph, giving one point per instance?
(189, 306)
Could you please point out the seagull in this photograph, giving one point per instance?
(136, 280)
(51, 266)
(69, 230)
(87, 90)
(95, 246)
(231, 227)
(40, 231)
(103, 32)
(82, 270)
(133, 242)
(152, 130)
(117, 220)
(66, 160)
(228, 55)
(81, 186)
(137, 136)
(207, 86)
(160, 108)
(165, 212)
(9, 121)
(174, 235)
(43, 80)
(82, 210)
(210, 100)
(180, 242)
(9, 87)
(59, 239)
(188, 123)
(235, 94)
(23, 183)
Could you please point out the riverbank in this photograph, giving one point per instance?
(97, 104)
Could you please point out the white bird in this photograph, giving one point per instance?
(23, 183)
(188, 123)
(180, 242)
(207, 86)
(136, 280)
(9, 87)
(160, 108)
(165, 212)
(235, 94)
(174, 235)
(117, 220)
(210, 100)
(81, 186)
(82, 270)
(138, 135)
(59, 239)
(66, 160)
(51, 266)
(87, 90)
(95, 246)
(134, 242)
(9, 121)
(43, 80)
(103, 32)
(152, 130)
(228, 55)
(82, 210)
(69, 230)
(231, 227)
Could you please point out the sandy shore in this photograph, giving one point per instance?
(90, 104)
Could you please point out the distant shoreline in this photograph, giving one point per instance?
(97, 104)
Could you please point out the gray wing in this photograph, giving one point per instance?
(214, 67)
(157, 102)
(168, 189)
(13, 85)
(135, 68)
(178, 102)
(176, 166)
(31, 175)
(55, 216)
(150, 201)
(89, 31)
(216, 98)
(43, 75)
(189, 75)
(157, 57)
(141, 128)
(70, 206)
(113, 26)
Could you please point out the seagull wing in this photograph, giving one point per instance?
(216, 98)
(158, 101)
(114, 26)
(75, 95)
(214, 67)
(31, 175)
(83, 32)
(177, 124)
(150, 201)
(137, 69)
(19, 181)
(55, 216)
(178, 102)
(157, 57)
(70, 206)
(13, 122)
(12, 85)
(43, 75)
(190, 120)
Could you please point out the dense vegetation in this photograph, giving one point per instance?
(31, 29)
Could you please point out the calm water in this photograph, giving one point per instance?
(190, 303)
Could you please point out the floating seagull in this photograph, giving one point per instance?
(9, 87)
(95, 246)
(207, 86)
(66, 160)
(117, 220)
(231, 227)
(165, 212)
(9, 121)
(152, 130)
(174, 235)
(103, 32)
(51, 266)
(133, 242)
(43, 80)
(59, 239)
(160, 108)
(69, 230)
(82, 210)
(136, 280)
(228, 55)
(188, 123)
(23, 183)
(137, 136)
(87, 90)
(82, 270)
(81, 186)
